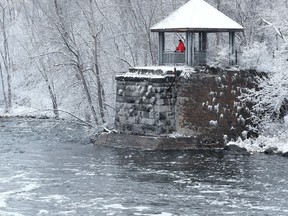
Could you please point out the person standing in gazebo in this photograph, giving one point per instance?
(204, 19)
(180, 47)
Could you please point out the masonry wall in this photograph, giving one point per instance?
(209, 108)
(145, 106)
(203, 105)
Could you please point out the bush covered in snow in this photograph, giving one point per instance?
(270, 108)
(257, 57)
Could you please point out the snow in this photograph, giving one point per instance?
(268, 98)
(157, 71)
(26, 111)
(146, 75)
(197, 15)
(213, 123)
(165, 69)
(177, 135)
(278, 143)
(276, 138)
(216, 107)
(21, 111)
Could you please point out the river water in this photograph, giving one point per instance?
(51, 168)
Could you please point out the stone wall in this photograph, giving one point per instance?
(208, 105)
(145, 105)
(202, 104)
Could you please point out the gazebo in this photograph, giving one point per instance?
(195, 17)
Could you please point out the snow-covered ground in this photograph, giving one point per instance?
(21, 111)
(25, 111)
(274, 138)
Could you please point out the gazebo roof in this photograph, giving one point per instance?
(195, 16)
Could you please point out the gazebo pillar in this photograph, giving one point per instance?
(192, 48)
(188, 49)
(231, 48)
(203, 47)
(161, 47)
(189, 54)
(203, 41)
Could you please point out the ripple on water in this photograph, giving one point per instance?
(49, 168)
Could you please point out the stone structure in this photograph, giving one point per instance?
(188, 108)
(145, 104)
(183, 107)
(208, 105)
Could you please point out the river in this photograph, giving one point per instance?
(50, 168)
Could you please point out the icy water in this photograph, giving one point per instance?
(50, 168)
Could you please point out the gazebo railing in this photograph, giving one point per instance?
(200, 57)
(170, 57)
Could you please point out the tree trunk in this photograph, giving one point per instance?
(53, 99)
(100, 90)
(3, 88)
(6, 60)
(87, 91)
(98, 80)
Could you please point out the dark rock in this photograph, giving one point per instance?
(253, 134)
(269, 151)
(285, 154)
(162, 116)
(235, 148)
(284, 109)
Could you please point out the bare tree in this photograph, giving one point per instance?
(95, 35)
(76, 48)
(135, 20)
(6, 62)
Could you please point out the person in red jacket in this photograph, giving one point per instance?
(180, 47)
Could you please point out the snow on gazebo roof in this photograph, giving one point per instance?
(197, 15)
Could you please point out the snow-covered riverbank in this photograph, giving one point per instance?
(274, 139)
(24, 111)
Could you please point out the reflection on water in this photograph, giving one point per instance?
(50, 168)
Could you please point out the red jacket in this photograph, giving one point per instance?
(180, 47)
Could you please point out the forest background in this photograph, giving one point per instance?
(59, 58)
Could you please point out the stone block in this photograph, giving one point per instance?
(120, 99)
(162, 116)
(146, 115)
(148, 121)
(130, 100)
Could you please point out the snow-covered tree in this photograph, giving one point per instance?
(63, 55)
(8, 15)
